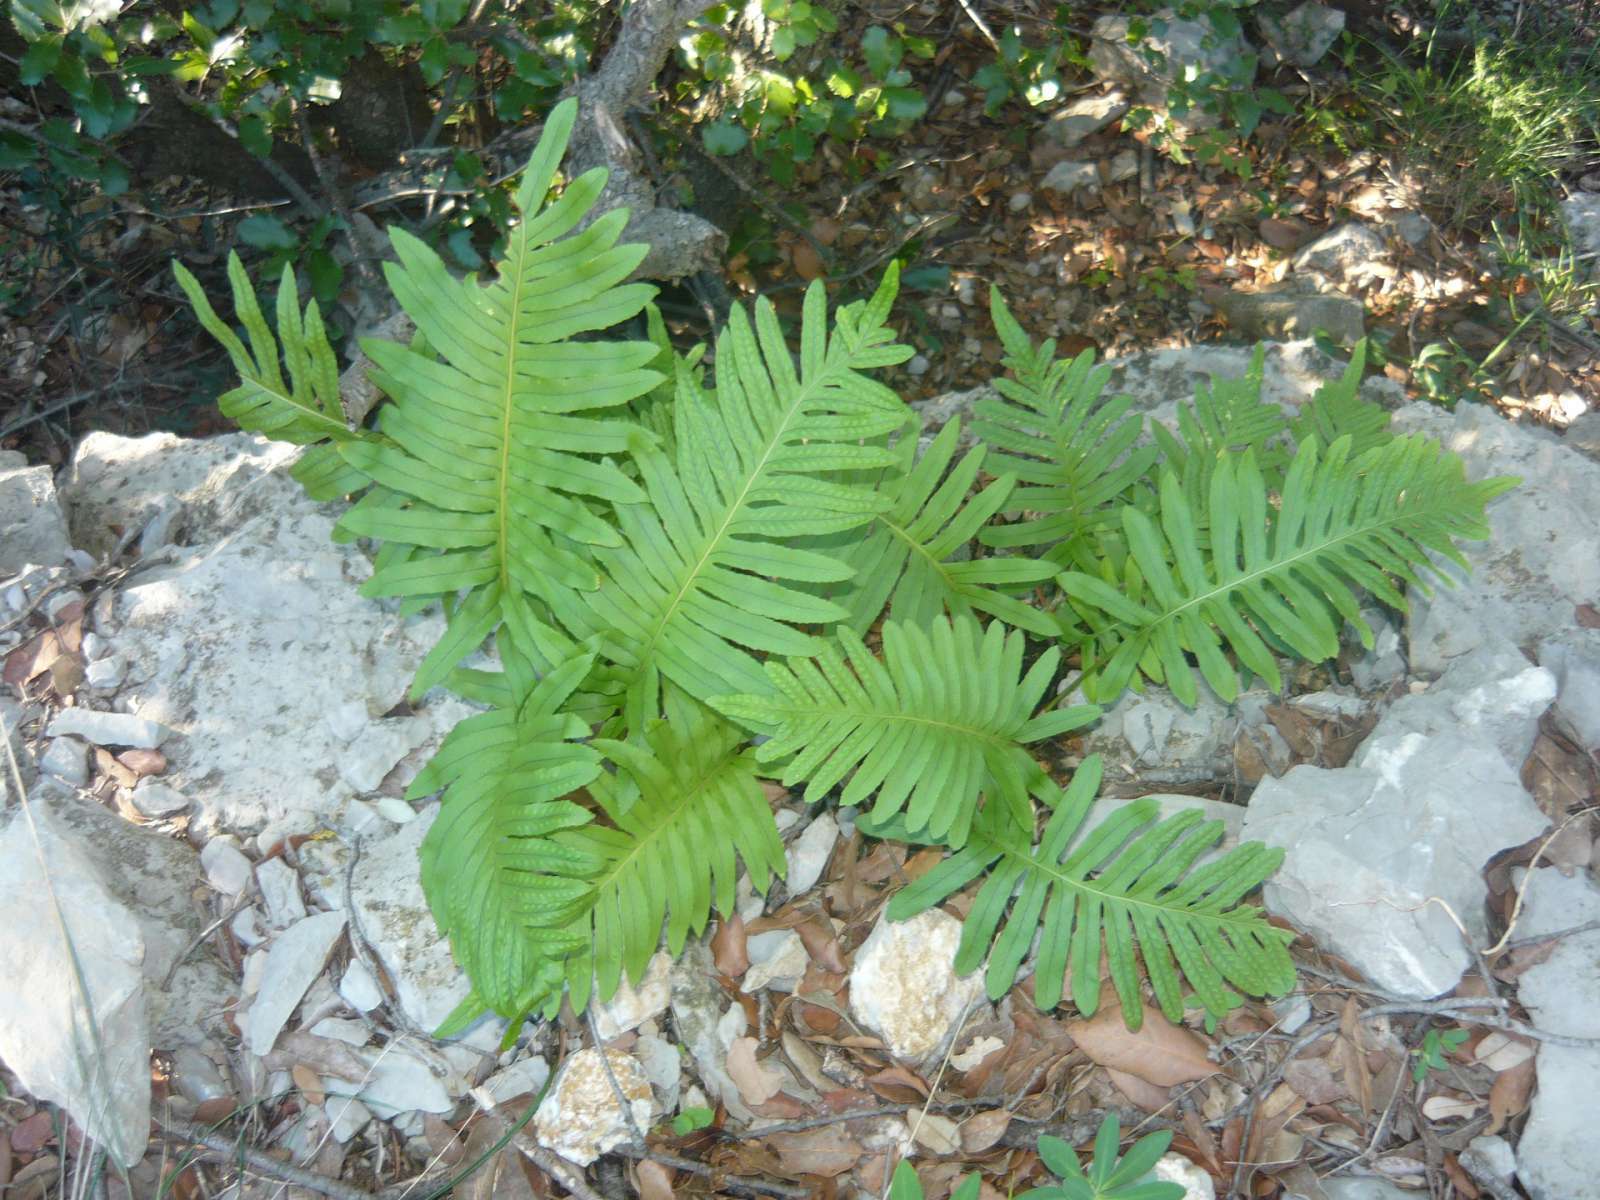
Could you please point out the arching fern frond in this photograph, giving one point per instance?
(1290, 569)
(490, 432)
(304, 408)
(1338, 410)
(934, 726)
(1226, 417)
(907, 558)
(1073, 453)
(497, 883)
(684, 808)
(1143, 899)
(707, 571)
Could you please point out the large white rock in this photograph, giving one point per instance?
(904, 986)
(1492, 694)
(1559, 1157)
(33, 528)
(1175, 48)
(294, 960)
(1542, 558)
(580, 1118)
(157, 878)
(1573, 658)
(254, 634)
(1369, 846)
(73, 1027)
(707, 1025)
(395, 920)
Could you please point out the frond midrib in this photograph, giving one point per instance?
(1395, 520)
(507, 412)
(1240, 918)
(691, 794)
(714, 540)
(846, 712)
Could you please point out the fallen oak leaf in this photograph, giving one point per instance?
(982, 1130)
(1159, 1052)
(757, 1082)
(826, 1152)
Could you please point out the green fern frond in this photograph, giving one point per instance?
(708, 570)
(1143, 899)
(497, 882)
(1074, 453)
(304, 409)
(1290, 569)
(1226, 417)
(490, 432)
(684, 809)
(1337, 410)
(938, 723)
(907, 557)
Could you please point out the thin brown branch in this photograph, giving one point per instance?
(226, 1149)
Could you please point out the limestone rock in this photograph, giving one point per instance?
(1083, 117)
(778, 960)
(1194, 1179)
(1174, 49)
(109, 728)
(525, 1077)
(84, 1046)
(631, 1006)
(1354, 876)
(809, 854)
(156, 799)
(1070, 176)
(67, 758)
(1542, 558)
(1348, 257)
(1291, 311)
(359, 989)
(1152, 741)
(580, 1118)
(398, 1081)
(156, 878)
(1573, 658)
(1558, 1157)
(33, 528)
(226, 867)
(294, 961)
(1304, 35)
(707, 1025)
(1583, 435)
(1581, 212)
(904, 986)
(1493, 695)
(254, 633)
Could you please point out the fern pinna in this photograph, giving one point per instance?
(684, 575)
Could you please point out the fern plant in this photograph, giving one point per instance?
(683, 567)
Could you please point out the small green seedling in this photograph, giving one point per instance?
(691, 1119)
(1436, 1044)
(1107, 1178)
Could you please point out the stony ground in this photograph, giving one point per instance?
(210, 727)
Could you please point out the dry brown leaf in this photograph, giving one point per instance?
(307, 1081)
(729, 947)
(1502, 1051)
(1508, 1095)
(1282, 235)
(1141, 1093)
(143, 762)
(655, 1180)
(1159, 1052)
(757, 1082)
(1313, 1079)
(982, 1130)
(827, 1152)
(322, 1055)
(1587, 616)
(1450, 1108)
(936, 1134)
(807, 263)
(899, 1085)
